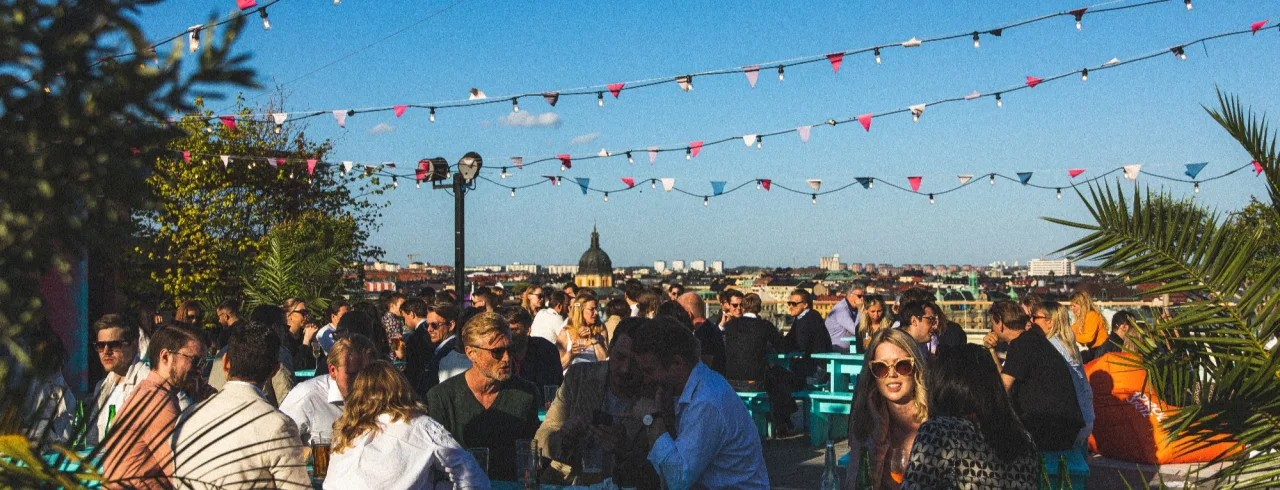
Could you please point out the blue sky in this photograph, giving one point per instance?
(1148, 113)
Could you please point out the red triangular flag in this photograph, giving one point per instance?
(311, 167)
(836, 59)
(279, 162)
(1075, 172)
(565, 161)
(1257, 25)
(766, 183)
(1257, 168)
(246, 4)
(420, 172)
(631, 182)
(865, 119)
(229, 122)
(695, 147)
(186, 156)
(551, 97)
(615, 88)
(915, 183)
(400, 110)
(1033, 81)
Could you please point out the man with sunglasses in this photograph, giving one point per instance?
(418, 346)
(808, 333)
(116, 341)
(487, 406)
(842, 322)
(919, 320)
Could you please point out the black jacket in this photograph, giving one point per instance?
(711, 339)
(748, 342)
(541, 364)
(808, 335)
(418, 354)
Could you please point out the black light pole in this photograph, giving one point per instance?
(468, 168)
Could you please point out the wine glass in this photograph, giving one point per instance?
(897, 464)
(318, 352)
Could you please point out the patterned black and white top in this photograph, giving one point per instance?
(950, 452)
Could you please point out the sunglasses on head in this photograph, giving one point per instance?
(114, 345)
(904, 367)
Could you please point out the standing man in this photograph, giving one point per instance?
(324, 336)
(631, 292)
(808, 334)
(417, 349)
(700, 426)
(229, 319)
(116, 341)
(842, 322)
(709, 336)
(486, 406)
(236, 439)
(536, 360)
(316, 403)
(748, 343)
(442, 325)
(674, 291)
(548, 323)
(919, 320)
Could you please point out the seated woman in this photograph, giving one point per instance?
(872, 319)
(384, 439)
(889, 404)
(1055, 320)
(582, 338)
(973, 439)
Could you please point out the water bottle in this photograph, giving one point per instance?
(829, 479)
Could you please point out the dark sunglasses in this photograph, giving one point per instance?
(735, 305)
(794, 303)
(301, 312)
(196, 361)
(435, 325)
(114, 345)
(497, 354)
(904, 367)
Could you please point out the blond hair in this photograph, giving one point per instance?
(483, 325)
(1061, 317)
(1085, 303)
(378, 389)
(865, 327)
(578, 318)
(865, 393)
(355, 345)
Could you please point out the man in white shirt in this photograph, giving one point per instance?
(316, 403)
(116, 341)
(715, 443)
(548, 323)
(324, 336)
(442, 326)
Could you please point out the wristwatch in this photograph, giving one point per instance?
(647, 420)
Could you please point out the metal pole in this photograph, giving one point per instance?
(459, 236)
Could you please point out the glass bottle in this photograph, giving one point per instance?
(829, 479)
(863, 478)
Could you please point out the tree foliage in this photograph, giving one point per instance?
(303, 258)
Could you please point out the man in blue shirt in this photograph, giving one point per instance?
(842, 322)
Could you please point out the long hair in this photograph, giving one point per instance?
(865, 394)
(578, 318)
(865, 327)
(1061, 317)
(1085, 303)
(378, 389)
(964, 383)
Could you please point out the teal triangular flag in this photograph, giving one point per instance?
(583, 182)
(865, 181)
(717, 187)
(1193, 169)
(1024, 177)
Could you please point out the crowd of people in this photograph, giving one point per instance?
(413, 391)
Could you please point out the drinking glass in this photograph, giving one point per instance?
(318, 352)
(897, 464)
(481, 454)
(526, 465)
(672, 475)
(549, 395)
(592, 457)
(320, 454)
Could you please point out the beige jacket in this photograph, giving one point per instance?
(581, 394)
(275, 392)
(236, 440)
(137, 372)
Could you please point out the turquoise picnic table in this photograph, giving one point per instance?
(842, 368)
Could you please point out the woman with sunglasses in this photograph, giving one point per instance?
(889, 404)
(973, 439)
(1055, 320)
(582, 338)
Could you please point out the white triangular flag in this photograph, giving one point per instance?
(916, 111)
(973, 95)
(346, 166)
(477, 94)
(1114, 61)
(668, 183)
(280, 117)
(226, 160)
(804, 133)
(603, 153)
(815, 184)
(911, 43)
(1131, 171)
(749, 139)
(341, 116)
(964, 179)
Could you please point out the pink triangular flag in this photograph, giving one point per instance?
(228, 121)
(400, 110)
(1257, 25)
(836, 59)
(816, 184)
(695, 147)
(1075, 172)
(1257, 168)
(753, 73)
(766, 183)
(341, 116)
(518, 161)
(420, 172)
(804, 133)
(311, 167)
(653, 154)
(965, 178)
(865, 119)
(551, 97)
(186, 156)
(1131, 171)
(1033, 81)
(615, 89)
(565, 161)
(915, 183)
(973, 95)
(246, 4)
(631, 182)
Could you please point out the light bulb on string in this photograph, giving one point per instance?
(515, 105)
(976, 44)
(418, 184)
(1084, 75)
(1079, 17)
(759, 142)
(930, 198)
(704, 202)
(629, 159)
(781, 77)
(999, 102)
(1197, 188)
(653, 183)
(1059, 193)
(1179, 52)
(877, 50)
(993, 179)
(814, 199)
(337, 2)
(193, 38)
(600, 99)
(871, 184)
(606, 197)
(1188, 2)
(915, 116)
(504, 173)
(433, 114)
(395, 182)
(513, 192)
(757, 184)
(266, 23)
(688, 153)
(278, 128)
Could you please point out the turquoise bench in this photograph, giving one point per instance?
(758, 406)
(1077, 467)
(828, 414)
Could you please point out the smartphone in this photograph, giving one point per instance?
(600, 417)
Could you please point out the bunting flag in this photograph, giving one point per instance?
(477, 94)
(653, 154)
(804, 133)
(1033, 81)
(551, 97)
(911, 43)
(341, 117)
(717, 187)
(399, 110)
(749, 139)
(346, 167)
(226, 160)
(518, 161)
(753, 73)
(816, 184)
(694, 148)
(1193, 169)
(280, 117)
(311, 166)
(1257, 25)
(603, 153)
(276, 162)
(1131, 171)
(246, 4)
(1024, 177)
(565, 161)
(186, 156)
(973, 95)
(916, 111)
(865, 119)
(1257, 168)
(369, 169)
(964, 179)
(616, 88)
(228, 121)
(836, 60)
(685, 82)
(630, 181)
(1112, 61)
(865, 181)
(668, 183)
(552, 178)
(915, 183)
(766, 183)
(1075, 172)
(583, 182)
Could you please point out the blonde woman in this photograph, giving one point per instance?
(874, 316)
(889, 404)
(582, 338)
(384, 439)
(1089, 327)
(1055, 321)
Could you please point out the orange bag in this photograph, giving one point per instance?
(1126, 425)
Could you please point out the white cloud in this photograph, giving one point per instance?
(382, 128)
(526, 119)
(584, 139)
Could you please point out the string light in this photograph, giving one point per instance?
(418, 184)
(780, 75)
(1188, 2)
(351, 112)
(653, 183)
(757, 184)
(999, 102)
(1197, 183)
(433, 114)
(606, 197)
(193, 38)
(395, 182)
(704, 202)
(513, 192)
(688, 153)
(1179, 52)
(759, 142)
(1084, 75)
(600, 99)
(515, 105)
(1059, 193)
(337, 2)
(877, 50)
(504, 173)
(993, 179)
(815, 199)
(1079, 17)
(976, 44)
(629, 159)
(279, 127)
(266, 23)
(930, 198)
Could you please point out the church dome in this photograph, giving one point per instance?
(595, 261)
